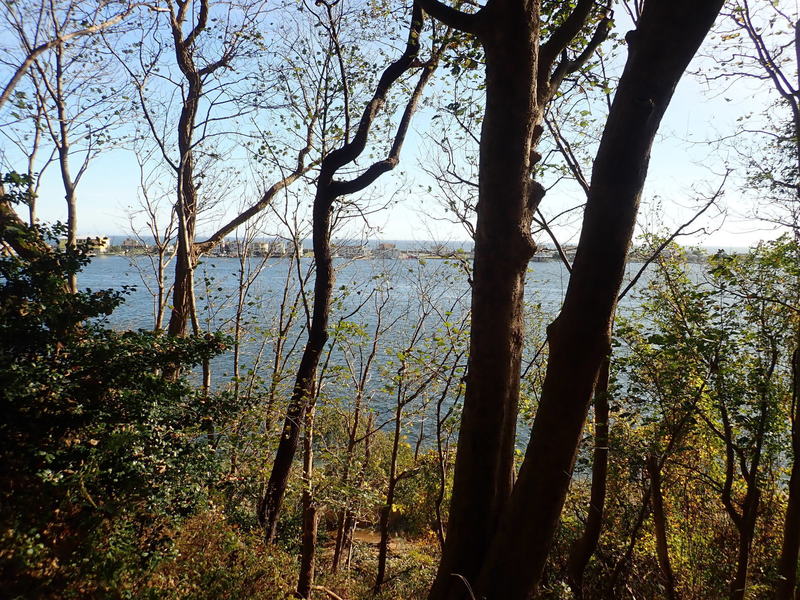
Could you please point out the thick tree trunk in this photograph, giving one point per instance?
(183, 288)
(660, 527)
(483, 471)
(787, 565)
(585, 546)
(668, 35)
(185, 256)
(186, 188)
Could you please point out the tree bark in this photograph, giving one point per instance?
(483, 471)
(383, 545)
(186, 189)
(746, 528)
(520, 80)
(305, 581)
(667, 36)
(585, 546)
(64, 149)
(660, 526)
(305, 382)
(787, 565)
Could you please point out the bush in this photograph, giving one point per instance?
(102, 450)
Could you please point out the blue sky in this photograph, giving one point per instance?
(683, 166)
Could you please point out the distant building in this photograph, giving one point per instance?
(387, 250)
(352, 251)
(277, 248)
(570, 252)
(98, 244)
(132, 244)
(259, 248)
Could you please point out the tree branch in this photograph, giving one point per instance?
(342, 188)
(566, 67)
(34, 53)
(350, 151)
(466, 22)
(563, 35)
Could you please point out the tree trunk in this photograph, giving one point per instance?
(310, 522)
(383, 545)
(787, 565)
(186, 189)
(328, 190)
(484, 464)
(183, 287)
(345, 516)
(309, 546)
(583, 548)
(386, 510)
(72, 230)
(343, 520)
(746, 527)
(660, 527)
(305, 382)
(183, 298)
(63, 147)
(668, 35)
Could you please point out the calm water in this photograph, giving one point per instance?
(400, 297)
(407, 279)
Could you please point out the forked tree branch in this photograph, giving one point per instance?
(348, 152)
(563, 35)
(341, 188)
(567, 67)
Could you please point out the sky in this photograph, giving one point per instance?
(684, 167)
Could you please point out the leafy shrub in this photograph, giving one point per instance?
(102, 446)
(216, 560)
